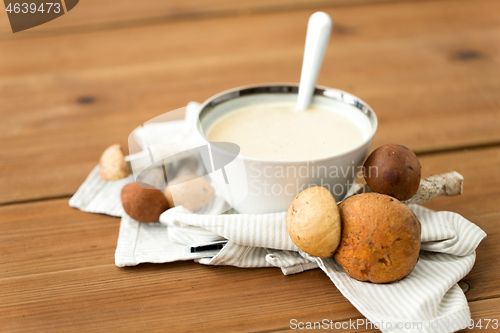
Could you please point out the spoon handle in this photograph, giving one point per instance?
(318, 34)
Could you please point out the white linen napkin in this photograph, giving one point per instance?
(429, 296)
(428, 300)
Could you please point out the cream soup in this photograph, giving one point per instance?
(277, 131)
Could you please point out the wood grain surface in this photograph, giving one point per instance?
(94, 14)
(70, 88)
(66, 98)
(60, 271)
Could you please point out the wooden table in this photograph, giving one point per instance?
(73, 86)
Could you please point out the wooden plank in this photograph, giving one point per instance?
(57, 271)
(50, 236)
(65, 98)
(179, 297)
(94, 14)
(485, 315)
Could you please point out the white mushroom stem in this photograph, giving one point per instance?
(448, 184)
(443, 184)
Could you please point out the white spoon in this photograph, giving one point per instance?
(318, 34)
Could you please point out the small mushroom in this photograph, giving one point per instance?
(313, 222)
(190, 191)
(112, 163)
(143, 203)
(393, 170)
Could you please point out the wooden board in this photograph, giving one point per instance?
(430, 70)
(96, 15)
(73, 86)
(60, 273)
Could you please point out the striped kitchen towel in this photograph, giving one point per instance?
(428, 300)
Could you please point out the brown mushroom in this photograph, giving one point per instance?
(380, 238)
(393, 170)
(143, 203)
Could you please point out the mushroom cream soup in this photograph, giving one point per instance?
(277, 131)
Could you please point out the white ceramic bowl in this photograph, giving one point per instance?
(252, 185)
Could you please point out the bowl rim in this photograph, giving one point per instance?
(284, 88)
